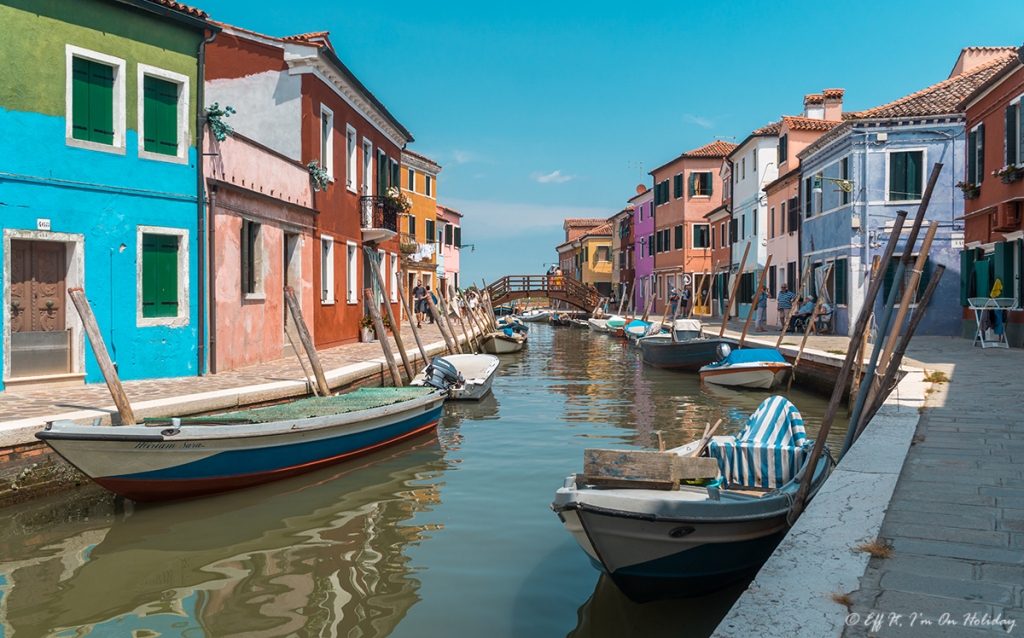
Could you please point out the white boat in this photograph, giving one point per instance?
(475, 372)
(534, 316)
(748, 368)
(600, 325)
(696, 539)
(503, 342)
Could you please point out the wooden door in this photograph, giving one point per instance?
(38, 281)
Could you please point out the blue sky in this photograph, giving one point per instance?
(537, 110)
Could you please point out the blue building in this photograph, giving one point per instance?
(858, 175)
(98, 188)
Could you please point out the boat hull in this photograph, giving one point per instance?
(494, 344)
(478, 376)
(144, 464)
(692, 355)
(763, 375)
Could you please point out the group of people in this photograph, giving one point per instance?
(789, 320)
(421, 307)
(680, 300)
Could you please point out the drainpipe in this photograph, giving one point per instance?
(728, 228)
(212, 274)
(201, 243)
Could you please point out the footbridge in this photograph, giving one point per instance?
(512, 287)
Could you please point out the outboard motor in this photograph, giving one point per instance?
(724, 350)
(441, 374)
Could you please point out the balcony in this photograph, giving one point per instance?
(379, 218)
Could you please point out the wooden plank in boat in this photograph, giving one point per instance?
(636, 484)
(647, 465)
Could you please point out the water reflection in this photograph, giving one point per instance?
(318, 555)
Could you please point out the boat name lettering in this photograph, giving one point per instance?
(167, 446)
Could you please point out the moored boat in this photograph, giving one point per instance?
(164, 459)
(689, 350)
(579, 323)
(696, 539)
(475, 372)
(503, 342)
(534, 316)
(559, 319)
(748, 368)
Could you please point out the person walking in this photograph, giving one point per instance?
(785, 303)
(674, 297)
(433, 298)
(685, 300)
(419, 296)
(762, 309)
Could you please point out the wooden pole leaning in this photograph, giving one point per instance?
(807, 333)
(700, 296)
(448, 341)
(735, 289)
(858, 368)
(800, 500)
(370, 301)
(445, 320)
(650, 300)
(306, 373)
(395, 326)
(629, 306)
(99, 348)
(307, 340)
(412, 321)
(897, 357)
(753, 301)
(478, 332)
(463, 320)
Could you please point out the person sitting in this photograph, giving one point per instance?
(798, 321)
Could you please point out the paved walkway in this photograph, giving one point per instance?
(15, 404)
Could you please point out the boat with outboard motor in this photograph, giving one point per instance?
(693, 539)
(688, 349)
(560, 319)
(534, 316)
(474, 373)
(505, 341)
(747, 367)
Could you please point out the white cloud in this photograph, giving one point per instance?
(699, 121)
(555, 177)
(504, 219)
(464, 157)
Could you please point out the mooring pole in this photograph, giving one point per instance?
(807, 332)
(395, 326)
(370, 300)
(735, 289)
(412, 322)
(99, 348)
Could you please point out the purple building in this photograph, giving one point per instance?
(643, 243)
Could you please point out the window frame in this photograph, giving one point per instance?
(428, 186)
(351, 273)
(697, 191)
(327, 145)
(327, 280)
(410, 181)
(393, 282)
(352, 158)
(184, 309)
(694, 234)
(118, 94)
(183, 112)
(366, 187)
(256, 257)
(888, 172)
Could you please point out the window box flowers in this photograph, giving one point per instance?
(970, 189)
(1010, 173)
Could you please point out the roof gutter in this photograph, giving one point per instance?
(167, 12)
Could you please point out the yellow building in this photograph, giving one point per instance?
(595, 259)
(419, 243)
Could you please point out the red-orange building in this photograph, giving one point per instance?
(294, 96)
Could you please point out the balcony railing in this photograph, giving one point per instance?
(379, 212)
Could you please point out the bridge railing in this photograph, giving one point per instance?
(519, 286)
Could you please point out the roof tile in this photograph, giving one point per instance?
(183, 8)
(718, 148)
(798, 123)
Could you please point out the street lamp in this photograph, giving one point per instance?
(845, 185)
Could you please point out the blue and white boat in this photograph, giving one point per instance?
(657, 544)
(747, 367)
(164, 459)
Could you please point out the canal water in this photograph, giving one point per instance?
(447, 535)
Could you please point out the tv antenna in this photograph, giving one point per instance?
(637, 166)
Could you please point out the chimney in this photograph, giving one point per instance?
(814, 106)
(833, 104)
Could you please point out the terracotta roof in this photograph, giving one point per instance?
(605, 229)
(798, 123)
(423, 158)
(814, 98)
(771, 129)
(939, 99)
(997, 77)
(833, 94)
(579, 222)
(306, 37)
(450, 211)
(718, 148)
(723, 207)
(183, 8)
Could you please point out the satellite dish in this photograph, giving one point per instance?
(641, 189)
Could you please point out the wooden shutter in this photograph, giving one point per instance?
(101, 103)
(981, 153)
(458, 237)
(966, 275)
(693, 190)
(679, 237)
(887, 281)
(898, 176)
(160, 125)
(972, 157)
(159, 276)
(79, 99)
(915, 174)
(839, 271)
(710, 186)
(1003, 262)
(448, 234)
(926, 276)
(412, 227)
(772, 280)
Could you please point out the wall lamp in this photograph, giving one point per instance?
(845, 185)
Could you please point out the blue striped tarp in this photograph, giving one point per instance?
(770, 449)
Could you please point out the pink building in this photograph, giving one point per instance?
(261, 234)
(643, 244)
(449, 239)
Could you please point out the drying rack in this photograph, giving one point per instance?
(980, 305)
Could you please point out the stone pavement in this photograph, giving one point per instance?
(17, 405)
(956, 519)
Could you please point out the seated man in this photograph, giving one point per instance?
(799, 318)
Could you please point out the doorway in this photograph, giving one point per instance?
(41, 341)
(292, 271)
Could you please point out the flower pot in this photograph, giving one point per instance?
(1012, 176)
(366, 335)
(972, 194)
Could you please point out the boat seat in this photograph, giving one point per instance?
(768, 452)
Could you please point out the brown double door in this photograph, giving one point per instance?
(40, 341)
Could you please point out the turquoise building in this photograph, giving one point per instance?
(100, 188)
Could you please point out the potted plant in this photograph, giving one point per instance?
(397, 202)
(318, 175)
(366, 329)
(970, 189)
(1010, 173)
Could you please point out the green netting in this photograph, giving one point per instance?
(361, 399)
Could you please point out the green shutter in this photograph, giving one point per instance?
(149, 276)
(915, 171)
(150, 105)
(693, 177)
(1011, 134)
(168, 277)
(983, 277)
(898, 176)
(167, 97)
(839, 277)
(79, 99)
(981, 153)
(458, 237)
(159, 276)
(448, 234)
(966, 272)
(101, 103)
(972, 157)
(1003, 262)
(711, 181)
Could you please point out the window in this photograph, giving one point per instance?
(677, 185)
(163, 111)
(743, 168)
(743, 226)
(976, 154)
(906, 174)
(661, 193)
(393, 286)
(429, 186)
(753, 221)
(1013, 131)
(458, 237)
(700, 184)
(327, 140)
(773, 279)
(159, 275)
(783, 149)
(603, 253)
(383, 173)
(412, 227)
(839, 277)
(782, 218)
(753, 160)
(791, 277)
(808, 193)
(251, 245)
(667, 241)
(449, 234)
(430, 236)
(352, 290)
(650, 245)
(352, 158)
(794, 214)
(94, 100)
(396, 175)
(410, 182)
(367, 166)
(701, 238)
(771, 223)
(844, 173)
(890, 275)
(733, 231)
(657, 247)
(326, 270)
(724, 236)
(712, 245)
(679, 237)
(746, 289)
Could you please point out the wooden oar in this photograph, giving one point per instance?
(706, 438)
